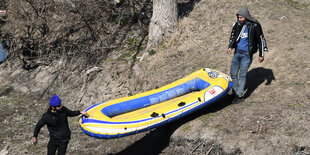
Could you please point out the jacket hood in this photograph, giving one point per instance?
(246, 14)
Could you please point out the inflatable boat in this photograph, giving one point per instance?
(144, 111)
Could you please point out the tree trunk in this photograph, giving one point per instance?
(163, 23)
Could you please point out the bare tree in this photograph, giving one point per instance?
(41, 31)
(163, 22)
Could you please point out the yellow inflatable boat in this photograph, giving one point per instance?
(142, 112)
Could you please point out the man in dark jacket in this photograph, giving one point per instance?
(56, 119)
(246, 37)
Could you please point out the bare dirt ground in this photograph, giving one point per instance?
(274, 119)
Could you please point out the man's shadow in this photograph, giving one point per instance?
(256, 77)
(158, 139)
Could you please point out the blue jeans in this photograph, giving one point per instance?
(240, 64)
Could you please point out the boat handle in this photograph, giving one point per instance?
(163, 115)
(84, 116)
(181, 104)
(154, 114)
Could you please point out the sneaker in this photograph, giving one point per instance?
(237, 99)
(234, 101)
(240, 99)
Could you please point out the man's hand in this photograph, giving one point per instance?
(84, 113)
(261, 59)
(34, 140)
(229, 51)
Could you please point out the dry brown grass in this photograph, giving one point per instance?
(274, 119)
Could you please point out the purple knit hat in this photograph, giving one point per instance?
(55, 101)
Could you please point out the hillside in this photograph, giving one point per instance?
(274, 119)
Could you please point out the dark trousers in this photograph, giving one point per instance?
(53, 145)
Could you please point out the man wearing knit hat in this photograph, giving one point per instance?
(246, 37)
(56, 119)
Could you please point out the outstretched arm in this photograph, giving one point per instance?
(71, 113)
(37, 129)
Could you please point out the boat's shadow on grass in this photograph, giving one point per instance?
(157, 140)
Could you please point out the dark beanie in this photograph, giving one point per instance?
(55, 101)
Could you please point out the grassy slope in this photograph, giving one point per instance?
(274, 119)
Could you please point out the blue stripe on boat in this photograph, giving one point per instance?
(196, 84)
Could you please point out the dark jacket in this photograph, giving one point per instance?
(57, 124)
(256, 36)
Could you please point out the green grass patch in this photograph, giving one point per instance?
(127, 55)
(152, 52)
(248, 104)
(270, 31)
(132, 42)
(4, 89)
(204, 117)
(300, 84)
(162, 46)
(186, 128)
(109, 60)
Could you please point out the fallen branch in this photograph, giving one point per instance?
(209, 150)
(196, 148)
